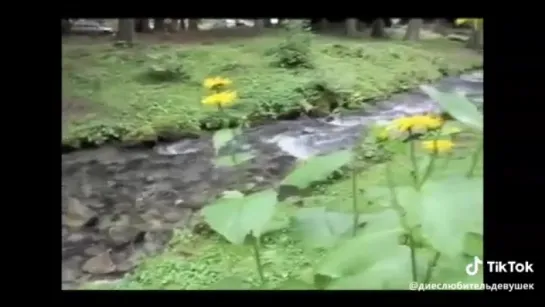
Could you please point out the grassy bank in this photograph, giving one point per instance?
(152, 91)
(205, 260)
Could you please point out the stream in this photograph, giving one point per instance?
(120, 205)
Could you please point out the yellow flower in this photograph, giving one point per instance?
(438, 146)
(216, 82)
(417, 123)
(221, 99)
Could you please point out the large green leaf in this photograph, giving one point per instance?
(394, 272)
(359, 253)
(407, 197)
(450, 209)
(316, 169)
(222, 137)
(459, 107)
(319, 228)
(235, 218)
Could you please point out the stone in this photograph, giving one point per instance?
(173, 216)
(86, 190)
(100, 264)
(123, 234)
(95, 204)
(69, 275)
(77, 215)
(75, 237)
(94, 250)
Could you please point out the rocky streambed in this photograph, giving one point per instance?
(120, 205)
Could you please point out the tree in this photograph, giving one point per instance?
(352, 27)
(159, 25)
(476, 38)
(182, 24)
(173, 25)
(413, 29)
(323, 24)
(125, 31)
(378, 28)
(259, 24)
(440, 26)
(142, 25)
(193, 24)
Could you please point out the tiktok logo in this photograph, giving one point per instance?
(473, 268)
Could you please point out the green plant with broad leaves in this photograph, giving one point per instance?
(427, 230)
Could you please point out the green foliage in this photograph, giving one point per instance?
(222, 137)
(121, 98)
(295, 51)
(316, 169)
(424, 229)
(236, 218)
(459, 107)
(317, 227)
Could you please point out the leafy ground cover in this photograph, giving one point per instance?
(417, 217)
(154, 90)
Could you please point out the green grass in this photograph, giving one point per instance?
(198, 261)
(155, 90)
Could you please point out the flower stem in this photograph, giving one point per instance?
(449, 155)
(401, 212)
(428, 171)
(257, 257)
(475, 158)
(431, 266)
(355, 199)
(414, 163)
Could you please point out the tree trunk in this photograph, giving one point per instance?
(259, 24)
(361, 26)
(182, 24)
(142, 25)
(159, 24)
(324, 24)
(378, 28)
(413, 29)
(351, 27)
(476, 40)
(441, 26)
(174, 25)
(126, 30)
(193, 24)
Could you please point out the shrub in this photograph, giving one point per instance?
(294, 51)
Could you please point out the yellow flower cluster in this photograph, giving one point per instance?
(220, 97)
(417, 123)
(438, 146)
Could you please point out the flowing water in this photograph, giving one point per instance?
(120, 205)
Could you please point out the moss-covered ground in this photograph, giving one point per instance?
(154, 91)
